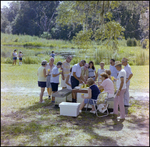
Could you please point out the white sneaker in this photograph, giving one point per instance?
(93, 112)
(80, 111)
(111, 113)
(43, 101)
(120, 118)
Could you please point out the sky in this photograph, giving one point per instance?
(4, 3)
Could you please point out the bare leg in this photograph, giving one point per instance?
(93, 109)
(15, 62)
(41, 94)
(49, 91)
(53, 98)
(82, 105)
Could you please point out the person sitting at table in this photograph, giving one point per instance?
(93, 93)
(107, 85)
(68, 80)
(111, 78)
(92, 70)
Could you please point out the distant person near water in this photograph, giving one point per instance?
(52, 54)
(14, 54)
(20, 57)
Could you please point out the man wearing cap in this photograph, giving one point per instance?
(129, 75)
(121, 88)
(66, 71)
(113, 69)
(76, 77)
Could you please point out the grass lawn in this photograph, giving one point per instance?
(26, 122)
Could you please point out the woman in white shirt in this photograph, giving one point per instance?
(42, 79)
(100, 70)
(14, 54)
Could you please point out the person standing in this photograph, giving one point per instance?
(42, 79)
(85, 72)
(14, 54)
(129, 75)
(92, 70)
(48, 68)
(55, 78)
(76, 77)
(113, 69)
(66, 71)
(121, 88)
(20, 57)
(100, 70)
(53, 54)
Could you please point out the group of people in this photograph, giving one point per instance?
(20, 55)
(114, 80)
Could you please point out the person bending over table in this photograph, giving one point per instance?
(93, 93)
(76, 77)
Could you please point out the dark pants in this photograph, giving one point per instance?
(74, 83)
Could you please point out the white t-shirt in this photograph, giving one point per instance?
(55, 79)
(127, 68)
(76, 68)
(122, 73)
(99, 72)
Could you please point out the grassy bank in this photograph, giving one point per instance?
(36, 49)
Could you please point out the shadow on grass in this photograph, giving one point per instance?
(39, 118)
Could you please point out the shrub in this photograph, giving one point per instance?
(131, 42)
(142, 58)
(31, 60)
(46, 35)
(37, 44)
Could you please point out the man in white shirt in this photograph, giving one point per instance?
(121, 88)
(129, 75)
(76, 77)
(113, 69)
(66, 71)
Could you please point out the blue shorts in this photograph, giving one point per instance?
(54, 86)
(88, 100)
(20, 58)
(41, 84)
(14, 58)
(74, 82)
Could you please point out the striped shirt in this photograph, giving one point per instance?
(66, 68)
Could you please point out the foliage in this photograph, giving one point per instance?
(46, 35)
(131, 42)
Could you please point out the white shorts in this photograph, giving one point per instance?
(63, 84)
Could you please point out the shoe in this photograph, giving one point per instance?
(120, 118)
(42, 101)
(80, 111)
(49, 97)
(111, 113)
(92, 112)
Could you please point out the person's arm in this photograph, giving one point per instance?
(74, 74)
(55, 75)
(121, 85)
(62, 75)
(101, 87)
(67, 79)
(130, 76)
(44, 71)
(82, 78)
(89, 94)
(96, 76)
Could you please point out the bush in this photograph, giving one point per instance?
(46, 35)
(131, 42)
(31, 60)
(37, 44)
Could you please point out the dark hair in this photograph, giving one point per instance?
(15, 50)
(71, 69)
(105, 75)
(59, 63)
(52, 51)
(92, 65)
(113, 60)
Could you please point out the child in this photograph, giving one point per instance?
(53, 54)
(20, 58)
(14, 54)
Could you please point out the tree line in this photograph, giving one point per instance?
(78, 20)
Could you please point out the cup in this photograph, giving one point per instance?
(82, 94)
(48, 69)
